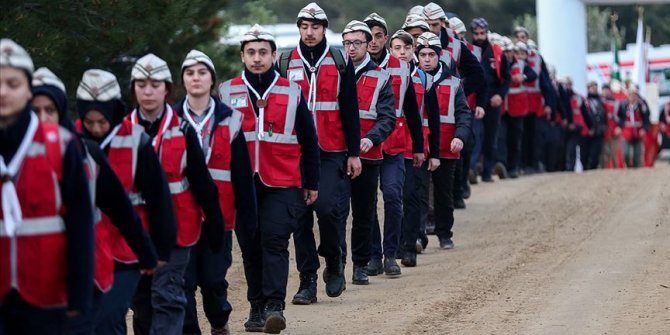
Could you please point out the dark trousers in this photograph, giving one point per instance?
(84, 322)
(363, 193)
(415, 204)
(443, 183)
(462, 166)
(514, 137)
(574, 139)
(159, 301)
(17, 317)
(501, 141)
(529, 144)
(207, 270)
(111, 316)
(549, 140)
(329, 206)
(490, 125)
(265, 255)
(392, 177)
(595, 146)
(478, 132)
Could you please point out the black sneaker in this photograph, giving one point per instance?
(374, 267)
(487, 179)
(307, 291)
(459, 204)
(466, 191)
(501, 171)
(255, 323)
(391, 267)
(419, 246)
(360, 276)
(275, 321)
(446, 243)
(333, 276)
(472, 177)
(409, 260)
(513, 173)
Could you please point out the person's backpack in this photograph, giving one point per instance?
(285, 58)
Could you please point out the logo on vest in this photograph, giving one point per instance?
(296, 75)
(238, 101)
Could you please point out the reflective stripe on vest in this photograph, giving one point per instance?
(535, 63)
(38, 226)
(220, 175)
(453, 84)
(381, 78)
(476, 50)
(397, 68)
(516, 88)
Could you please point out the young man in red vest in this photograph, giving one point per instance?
(608, 157)
(596, 135)
(633, 126)
(392, 170)
(328, 84)
(455, 120)
(377, 114)
(580, 123)
(282, 140)
(46, 219)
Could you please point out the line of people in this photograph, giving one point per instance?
(123, 210)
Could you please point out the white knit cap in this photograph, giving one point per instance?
(428, 39)
(415, 21)
(507, 43)
(257, 33)
(520, 46)
(195, 57)
(532, 45)
(399, 33)
(98, 85)
(44, 76)
(356, 25)
(151, 67)
(312, 12)
(457, 25)
(416, 10)
(374, 17)
(14, 55)
(433, 11)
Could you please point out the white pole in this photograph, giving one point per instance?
(561, 27)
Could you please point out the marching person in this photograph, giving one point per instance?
(608, 158)
(282, 140)
(633, 125)
(600, 125)
(415, 187)
(455, 120)
(328, 83)
(114, 287)
(217, 130)
(392, 170)
(46, 220)
(579, 125)
(377, 118)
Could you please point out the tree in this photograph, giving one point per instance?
(70, 36)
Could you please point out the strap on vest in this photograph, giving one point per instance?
(285, 59)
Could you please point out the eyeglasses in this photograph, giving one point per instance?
(356, 44)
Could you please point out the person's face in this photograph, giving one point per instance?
(428, 59)
(45, 109)
(150, 94)
(633, 98)
(478, 35)
(96, 124)
(520, 55)
(606, 92)
(593, 89)
(311, 33)
(379, 39)
(461, 35)
(355, 45)
(401, 50)
(415, 32)
(258, 56)
(521, 36)
(14, 91)
(435, 26)
(197, 80)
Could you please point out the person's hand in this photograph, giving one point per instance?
(547, 112)
(418, 159)
(433, 164)
(479, 113)
(496, 100)
(147, 271)
(592, 132)
(617, 131)
(517, 78)
(564, 123)
(310, 196)
(571, 126)
(643, 132)
(354, 166)
(456, 145)
(366, 145)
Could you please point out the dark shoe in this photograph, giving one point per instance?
(333, 276)
(459, 203)
(221, 331)
(514, 173)
(307, 291)
(430, 227)
(424, 241)
(255, 323)
(275, 321)
(466, 191)
(360, 276)
(419, 246)
(409, 260)
(391, 267)
(501, 171)
(472, 177)
(374, 267)
(446, 243)
(487, 179)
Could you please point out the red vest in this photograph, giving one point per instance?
(633, 123)
(576, 102)
(612, 119)
(446, 95)
(323, 101)
(122, 157)
(274, 149)
(218, 163)
(454, 47)
(170, 145)
(400, 81)
(368, 87)
(34, 261)
(535, 100)
(477, 51)
(517, 97)
(497, 54)
(420, 92)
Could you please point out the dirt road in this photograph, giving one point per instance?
(545, 254)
